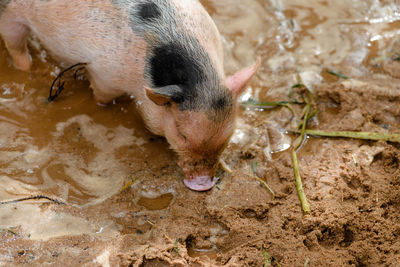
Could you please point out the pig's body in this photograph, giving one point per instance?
(166, 53)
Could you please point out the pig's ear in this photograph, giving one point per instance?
(238, 81)
(164, 95)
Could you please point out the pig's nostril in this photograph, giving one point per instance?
(200, 183)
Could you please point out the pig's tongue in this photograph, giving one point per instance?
(200, 183)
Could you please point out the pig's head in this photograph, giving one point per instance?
(188, 99)
(198, 120)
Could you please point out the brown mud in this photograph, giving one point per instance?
(83, 154)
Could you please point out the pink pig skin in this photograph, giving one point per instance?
(167, 54)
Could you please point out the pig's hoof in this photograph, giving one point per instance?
(200, 183)
(22, 63)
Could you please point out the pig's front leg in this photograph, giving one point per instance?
(104, 91)
(15, 37)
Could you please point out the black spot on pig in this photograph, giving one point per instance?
(183, 62)
(148, 16)
(219, 103)
(3, 5)
(148, 11)
(170, 64)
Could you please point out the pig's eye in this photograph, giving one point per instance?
(180, 134)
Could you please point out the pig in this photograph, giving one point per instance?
(167, 54)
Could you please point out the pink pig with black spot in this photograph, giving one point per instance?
(166, 53)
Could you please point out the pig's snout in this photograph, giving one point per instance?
(199, 174)
(200, 183)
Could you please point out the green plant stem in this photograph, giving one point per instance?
(254, 169)
(259, 104)
(297, 143)
(308, 113)
(289, 106)
(299, 185)
(266, 185)
(392, 137)
(337, 74)
(133, 179)
(264, 104)
(267, 258)
(12, 232)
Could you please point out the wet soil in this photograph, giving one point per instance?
(83, 155)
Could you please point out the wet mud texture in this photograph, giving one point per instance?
(83, 154)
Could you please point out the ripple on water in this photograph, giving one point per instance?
(36, 223)
(80, 167)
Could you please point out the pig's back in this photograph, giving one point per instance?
(88, 29)
(133, 42)
(92, 32)
(77, 30)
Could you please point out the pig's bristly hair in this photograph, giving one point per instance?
(175, 57)
(3, 5)
(148, 11)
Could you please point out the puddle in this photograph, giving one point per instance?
(34, 223)
(203, 254)
(208, 251)
(79, 164)
(67, 148)
(156, 203)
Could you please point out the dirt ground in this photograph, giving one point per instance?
(82, 154)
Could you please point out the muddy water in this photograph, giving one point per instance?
(70, 148)
(81, 153)
(306, 38)
(156, 203)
